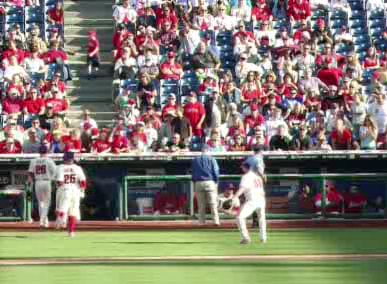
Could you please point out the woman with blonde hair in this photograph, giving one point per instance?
(353, 67)
(368, 134)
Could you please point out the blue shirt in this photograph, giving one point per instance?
(205, 168)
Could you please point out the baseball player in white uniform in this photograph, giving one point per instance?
(42, 172)
(251, 186)
(71, 183)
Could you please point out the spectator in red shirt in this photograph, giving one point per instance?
(102, 144)
(92, 53)
(14, 51)
(169, 203)
(120, 143)
(298, 10)
(195, 112)
(341, 137)
(12, 104)
(166, 15)
(254, 119)
(60, 106)
(56, 82)
(55, 55)
(261, 12)
(170, 106)
(354, 200)
(170, 70)
(10, 146)
(120, 35)
(73, 141)
(32, 104)
(56, 15)
(333, 200)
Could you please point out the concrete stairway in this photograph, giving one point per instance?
(94, 94)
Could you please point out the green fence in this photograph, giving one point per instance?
(371, 186)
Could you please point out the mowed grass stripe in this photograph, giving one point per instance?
(190, 243)
(207, 272)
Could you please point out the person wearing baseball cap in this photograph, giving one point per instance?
(322, 35)
(252, 187)
(93, 56)
(195, 112)
(170, 69)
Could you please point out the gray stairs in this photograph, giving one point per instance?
(94, 94)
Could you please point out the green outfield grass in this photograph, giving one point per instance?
(189, 243)
(195, 243)
(366, 272)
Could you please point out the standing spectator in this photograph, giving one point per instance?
(181, 125)
(368, 134)
(170, 70)
(195, 112)
(341, 137)
(298, 10)
(167, 37)
(205, 175)
(204, 59)
(56, 15)
(93, 58)
(378, 112)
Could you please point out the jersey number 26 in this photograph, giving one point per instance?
(69, 179)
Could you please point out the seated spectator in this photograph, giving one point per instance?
(146, 15)
(215, 142)
(34, 40)
(305, 60)
(126, 66)
(261, 13)
(13, 50)
(311, 83)
(167, 203)
(237, 144)
(302, 141)
(258, 140)
(322, 34)
(204, 59)
(146, 87)
(322, 144)
(377, 109)
(102, 144)
(242, 68)
(265, 35)
(371, 60)
(10, 146)
(273, 121)
(298, 10)
(12, 68)
(281, 141)
(138, 140)
(125, 14)
(59, 106)
(232, 94)
(12, 104)
(56, 15)
(166, 15)
(213, 111)
(175, 145)
(35, 126)
(32, 144)
(34, 65)
(129, 113)
(119, 141)
(254, 119)
(242, 11)
(224, 22)
(167, 38)
(341, 137)
(170, 70)
(182, 126)
(33, 105)
(189, 40)
(203, 21)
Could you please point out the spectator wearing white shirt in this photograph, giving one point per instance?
(242, 11)
(14, 68)
(125, 14)
(243, 67)
(189, 40)
(378, 111)
(273, 122)
(224, 22)
(34, 65)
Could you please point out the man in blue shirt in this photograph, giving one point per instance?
(205, 176)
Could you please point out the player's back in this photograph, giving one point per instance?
(253, 186)
(70, 175)
(43, 168)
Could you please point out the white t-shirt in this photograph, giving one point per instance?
(121, 12)
(34, 65)
(379, 114)
(71, 175)
(252, 187)
(43, 168)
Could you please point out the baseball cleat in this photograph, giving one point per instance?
(244, 241)
(263, 241)
(71, 234)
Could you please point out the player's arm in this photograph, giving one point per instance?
(52, 168)
(31, 175)
(81, 179)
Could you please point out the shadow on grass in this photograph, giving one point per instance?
(13, 237)
(153, 243)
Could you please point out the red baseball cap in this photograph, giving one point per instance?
(320, 22)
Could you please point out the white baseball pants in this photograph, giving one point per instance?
(247, 209)
(68, 203)
(43, 196)
(207, 193)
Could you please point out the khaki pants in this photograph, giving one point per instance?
(207, 193)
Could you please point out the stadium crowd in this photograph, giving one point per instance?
(238, 75)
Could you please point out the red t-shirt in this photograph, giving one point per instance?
(119, 143)
(298, 11)
(56, 16)
(59, 84)
(119, 38)
(168, 107)
(261, 14)
(33, 106)
(168, 66)
(342, 140)
(101, 145)
(50, 56)
(370, 62)
(251, 95)
(12, 106)
(16, 149)
(354, 202)
(194, 113)
(92, 45)
(162, 18)
(74, 145)
(59, 105)
(20, 54)
(251, 121)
